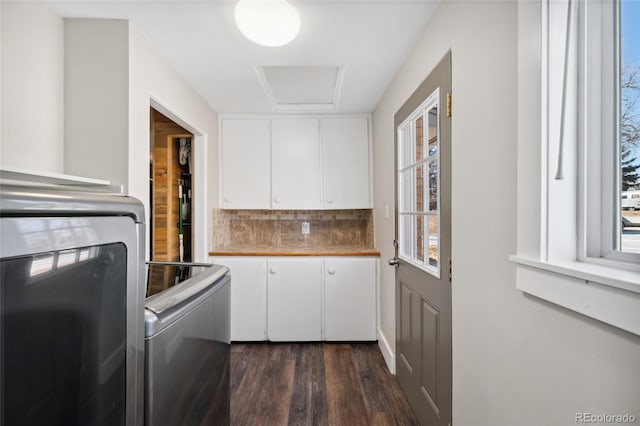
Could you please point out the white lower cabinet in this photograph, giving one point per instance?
(302, 298)
(294, 300)
(248, 297)
(350, 298)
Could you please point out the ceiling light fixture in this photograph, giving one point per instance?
(270, 23)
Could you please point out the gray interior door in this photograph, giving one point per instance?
(423, 247)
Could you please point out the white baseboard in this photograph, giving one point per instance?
(387, 352)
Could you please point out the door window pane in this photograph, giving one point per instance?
(406, 235)
(418, 187)
(433, 240)
(419, 240)
(432, 134)
(405, 147)
(433, 185)
(420, 190)
(419, 139)
(406, 190)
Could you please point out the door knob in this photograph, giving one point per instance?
(394, 262)
(331, 271)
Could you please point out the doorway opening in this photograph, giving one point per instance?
(171, 195)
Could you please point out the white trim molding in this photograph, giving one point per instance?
(387, 352)
(563, 286)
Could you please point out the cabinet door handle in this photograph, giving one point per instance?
(273, 270)
(329, 201)
(276, 200)
(331, 270)
(226, 199)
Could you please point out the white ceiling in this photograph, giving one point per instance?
(368, 40)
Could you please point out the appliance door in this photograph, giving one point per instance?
(71, 324)
(187, 340)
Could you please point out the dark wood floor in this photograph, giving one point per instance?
(276, 384)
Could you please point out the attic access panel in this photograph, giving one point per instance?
(302, 88)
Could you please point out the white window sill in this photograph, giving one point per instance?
(607, 294)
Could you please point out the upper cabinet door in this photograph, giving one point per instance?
(246, 174)
(295, 164)
(345, 160)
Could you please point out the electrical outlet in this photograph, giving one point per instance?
(305, 228)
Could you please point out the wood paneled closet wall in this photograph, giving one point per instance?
(166, 175)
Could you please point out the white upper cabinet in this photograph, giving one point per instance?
(295, 164)
(246, 172)
(345, 163)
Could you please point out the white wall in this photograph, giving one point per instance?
(107, 123)
(76, 95)
(32, 106)
(96, 107)
(516, 360)
(151, 78)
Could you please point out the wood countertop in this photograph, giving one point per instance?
(295, 251)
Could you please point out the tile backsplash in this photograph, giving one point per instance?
(283, 228)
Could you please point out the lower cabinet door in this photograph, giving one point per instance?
(350, 298)
(294, 299)
(248, 297)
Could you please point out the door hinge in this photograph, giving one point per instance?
(448, 104)
(450, 270)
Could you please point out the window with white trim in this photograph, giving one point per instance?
(592, 125)
(608, 130)
(581, 248)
